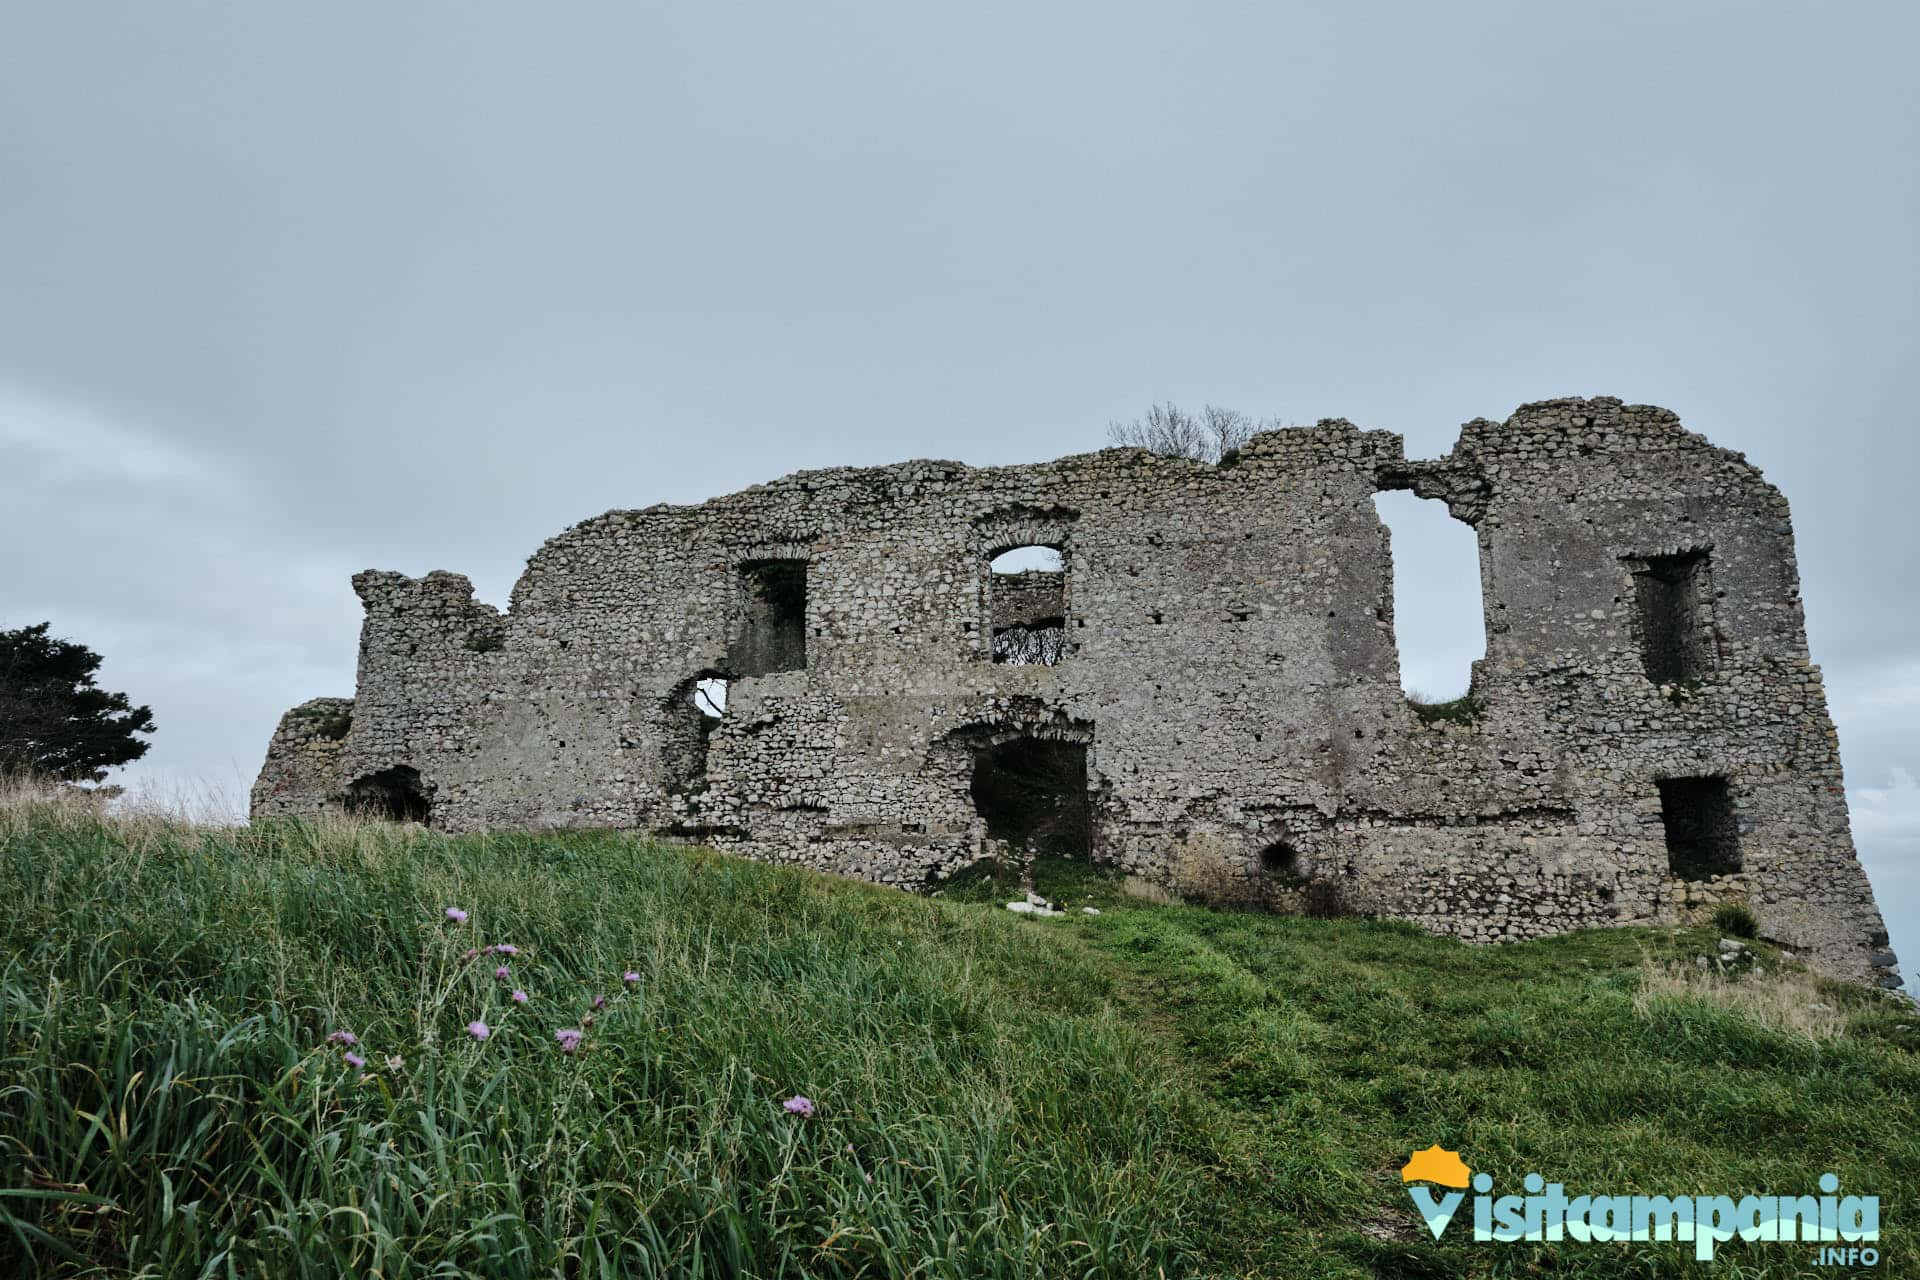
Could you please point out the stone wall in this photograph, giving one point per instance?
(301, 777)
(1228, 665)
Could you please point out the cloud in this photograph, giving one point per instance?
(61, 445)
(1874, 704)
(1888, 816)
(1872, 691)
(161, 558)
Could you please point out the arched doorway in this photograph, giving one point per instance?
(396, 795)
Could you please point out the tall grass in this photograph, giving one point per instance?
(1337, 1047)
(1154, 1090)
(172, 1105)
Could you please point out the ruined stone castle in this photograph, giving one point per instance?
(1195, 680)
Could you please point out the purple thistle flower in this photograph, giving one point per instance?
(456, 915)
(501, 973)
(799, 1105)
(507, 949)
(471, 953)
(569, 1039)
(599, 1002)
(354, 1060)
(343, 1037)
(629, 977)
(478, 1029)
(519, 997)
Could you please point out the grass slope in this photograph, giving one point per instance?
(1155, 1090)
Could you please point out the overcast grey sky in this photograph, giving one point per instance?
(287, 291)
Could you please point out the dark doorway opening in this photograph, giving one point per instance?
(396, 795)
(1033, 794)
(1703, 832)
(773, 635)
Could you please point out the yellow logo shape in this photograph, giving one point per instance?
(1437, 1164)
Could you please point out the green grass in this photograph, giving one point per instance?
(1735, 920)
(1465, 709)
(1153, 1090)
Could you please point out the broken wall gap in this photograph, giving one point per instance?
(1438, 617)
(689, 715)
(1281, 859)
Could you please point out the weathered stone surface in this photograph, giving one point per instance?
(302, 772)
(1229, 667)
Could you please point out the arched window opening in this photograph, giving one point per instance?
(1034, 559)
(393, 795)
(1028, 602)
(1439, 626)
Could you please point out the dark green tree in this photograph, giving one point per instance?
(55, 722)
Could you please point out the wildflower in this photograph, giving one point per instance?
(519, 997)
(569, 1039)
(354, 1060)
(343, 1037)
(505, 949)
(501, 973)
(629, 977)
(456, 915)
(478, 1029)
(599, 1002)
(799, 1105)
(471, 953)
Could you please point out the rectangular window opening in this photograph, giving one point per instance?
(773, 634)
(1703, 832)
(1676, 633)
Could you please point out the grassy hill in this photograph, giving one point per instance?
(1157, 1089)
